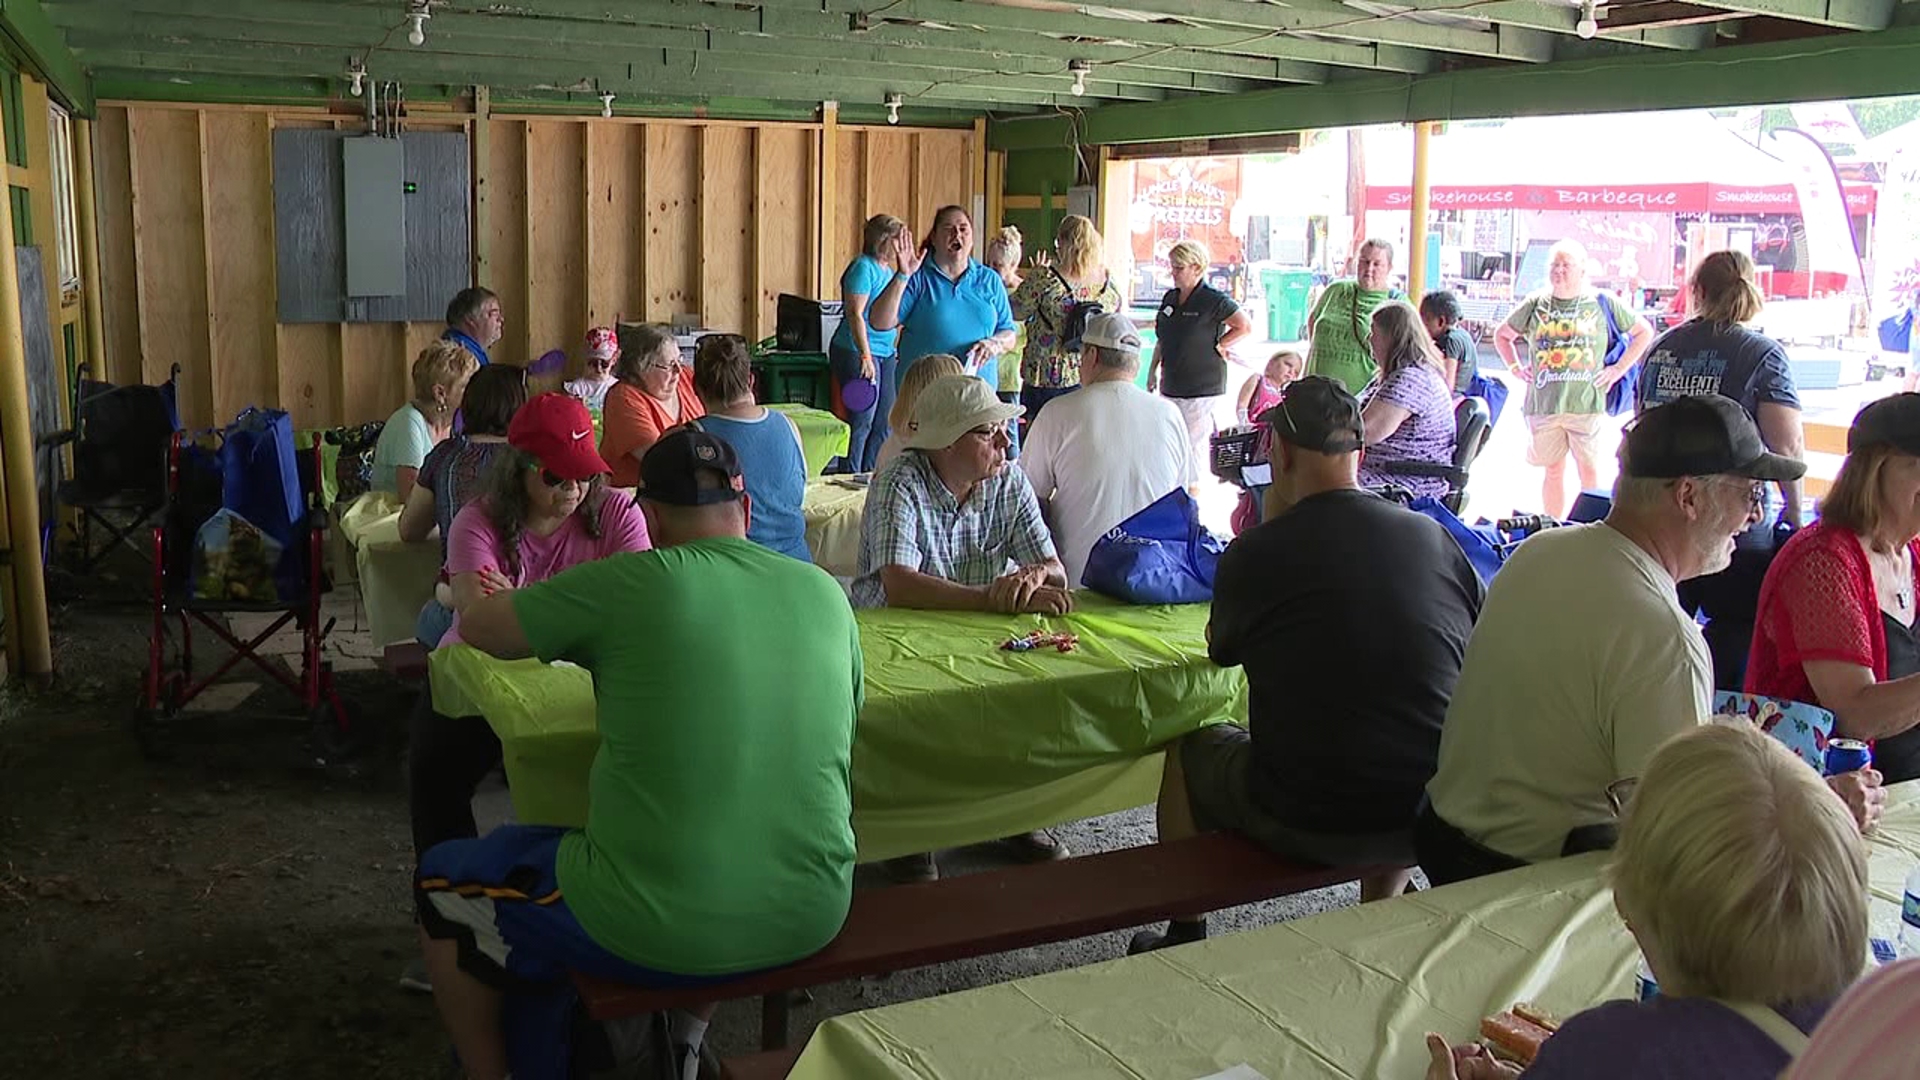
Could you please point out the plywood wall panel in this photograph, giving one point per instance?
(169, 230)
(556, 235)
(671, 189)
(113, 200)
(726, 229)
(616, 224)
(310, 373)
(374, 378)
(848, 213)
(783, 211)
(943, 179)
(601, 219)
(507, 206)
(240, 263)
(889, 180)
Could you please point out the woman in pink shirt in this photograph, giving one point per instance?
(546, 508)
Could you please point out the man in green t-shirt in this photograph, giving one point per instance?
(1556, 343)
(719, 837)
(1341, 322)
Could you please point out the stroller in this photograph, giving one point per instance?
(197, 492)
(119, 481)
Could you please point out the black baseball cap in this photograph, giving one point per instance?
(1892, 421)
(1703, 435)
(1318, 414)
(670, 471)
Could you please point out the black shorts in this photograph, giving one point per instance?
(1217, 762)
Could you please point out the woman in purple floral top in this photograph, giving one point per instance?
(1408, 408)
(1075, 274)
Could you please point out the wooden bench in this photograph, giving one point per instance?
(405, 660)
(910, 926)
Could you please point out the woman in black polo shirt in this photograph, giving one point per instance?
(1194, 334)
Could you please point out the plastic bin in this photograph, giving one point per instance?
(1287, 307)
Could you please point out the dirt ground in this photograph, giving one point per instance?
(235, 909)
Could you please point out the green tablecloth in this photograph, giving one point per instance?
(959, 742)
(823, 436)
(834, 509)
(1347, 994)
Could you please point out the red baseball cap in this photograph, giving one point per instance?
(557, 429)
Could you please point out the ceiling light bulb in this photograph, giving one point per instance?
(417, 33)
(359, 76)
(1588, 25)
(1079, 69)
(606, 106)
(893, 108)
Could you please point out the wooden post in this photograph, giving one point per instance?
(29, 606)
(1417, 236)
(87, 211)
(977, 180)
(827, 210)
(482, 144)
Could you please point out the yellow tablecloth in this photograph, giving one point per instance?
(396, 578)
(959, 742)
(823, 436)
(1347, 994)
(834, 509)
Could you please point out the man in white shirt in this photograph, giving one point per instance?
(1105, 452)
(1583, 662)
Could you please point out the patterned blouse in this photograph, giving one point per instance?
(1426, 435)
(1041, 302)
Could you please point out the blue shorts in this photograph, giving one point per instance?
(498, 895)
(499, 898)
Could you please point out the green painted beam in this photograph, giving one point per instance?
(592, 74)
(1807, 69)
(119, 85)
(1516, 44)
(1514, 18)
(1845, 14)
(662, 23)
(469, 36)
(35, 39)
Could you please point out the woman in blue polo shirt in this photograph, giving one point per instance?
(858, 350)
(945, 302)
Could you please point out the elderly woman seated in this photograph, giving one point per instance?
(654, 393)
(440, 375)
(1836, 624)
(1408, 410)
(1744, 880)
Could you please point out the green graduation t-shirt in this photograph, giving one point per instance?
(1342, 323)
(719, 831)
(1564, 343)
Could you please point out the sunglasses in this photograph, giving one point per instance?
(554, 480)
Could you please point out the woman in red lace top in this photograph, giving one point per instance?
(1836, 621)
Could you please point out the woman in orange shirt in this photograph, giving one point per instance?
(654, 393)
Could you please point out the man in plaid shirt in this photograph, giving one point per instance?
(948, 525)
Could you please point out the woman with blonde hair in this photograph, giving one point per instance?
(1063, 292)
(1194, 334)
(1003, 258)
(1715, 352)
(858, 351)
(919, 376)
(439, 377)
(1408, 409)
(1744, 881)
(1836, 621)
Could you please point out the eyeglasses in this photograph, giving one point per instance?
(554, 480)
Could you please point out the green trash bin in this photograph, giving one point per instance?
(1287, 292)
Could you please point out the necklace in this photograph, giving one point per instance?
(1899, 576)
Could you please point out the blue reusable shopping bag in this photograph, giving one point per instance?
(1896, 332)
(1620, 394)
(1161, 555)
(1480, 543)
(1490, 390)
(258, 477)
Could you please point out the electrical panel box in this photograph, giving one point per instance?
(373, 172)
(371, 229)
(1083, 199)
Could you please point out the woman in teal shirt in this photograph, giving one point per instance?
(858, 350)
(944, 301)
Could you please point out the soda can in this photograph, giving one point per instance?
(1847, 755)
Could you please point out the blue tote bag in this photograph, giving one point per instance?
(260, 481)
(1480, 543)
(1161, 555)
